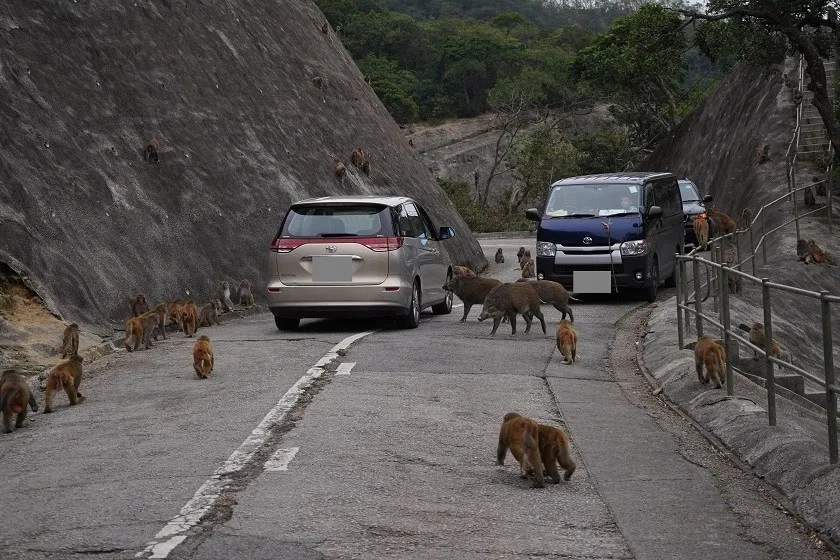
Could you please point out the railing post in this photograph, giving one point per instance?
(828, 189)
(795, 209)
(698, 306)
(768, 349)
(828, 359)
(684, 290)
(727, 339)
(763, 234)
(678, 278)
(752, 250)
(713, 278)
(737, 257)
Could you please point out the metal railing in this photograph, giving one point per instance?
(727, 265)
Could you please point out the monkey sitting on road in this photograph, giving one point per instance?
(15, 396)
(246, 298)
(528, 269)
(810, 200)
(68, 376)
(209, 314)
(500, 257)
(816, 254)
(70, 342)
(138, 305)
(519, 255)
(223, 295)
(521, 436)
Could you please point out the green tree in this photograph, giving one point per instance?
(538, 160)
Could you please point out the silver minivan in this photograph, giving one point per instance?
(358, 256)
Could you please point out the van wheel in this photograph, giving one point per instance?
(653, 288)
(671, 281)
(444, 307)
(286, 323)
(411, 320)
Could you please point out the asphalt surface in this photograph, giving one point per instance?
(389, 452)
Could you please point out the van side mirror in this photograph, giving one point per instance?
(707, 198)
(654, 212)
(446, 233)
(533, 214)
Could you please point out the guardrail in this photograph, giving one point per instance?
(727, 265)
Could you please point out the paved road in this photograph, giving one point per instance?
(388, 454)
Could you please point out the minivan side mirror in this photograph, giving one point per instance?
(532, 214)
(654, 212)
(707, 198)
(446, 233)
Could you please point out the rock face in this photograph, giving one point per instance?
(228, 91)
(717, 145)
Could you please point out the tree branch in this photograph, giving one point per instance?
(692, 14)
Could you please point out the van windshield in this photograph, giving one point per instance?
(337, 220)
(689, 192)
(601, 200)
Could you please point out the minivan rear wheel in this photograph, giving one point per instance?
(653, 288)
(411, 320)
(444, 307)
(286, 323)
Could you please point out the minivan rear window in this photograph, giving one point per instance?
(590, 200)
(337, 220)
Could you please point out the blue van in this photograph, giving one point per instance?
(600, 233)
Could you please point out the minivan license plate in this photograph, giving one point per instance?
(335, 268)
(591, 282)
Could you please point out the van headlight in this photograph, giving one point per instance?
(546, 249)
(633, 247)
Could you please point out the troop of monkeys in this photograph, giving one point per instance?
(504, 301)
(719, 223)
(358, 158)
(144, 325)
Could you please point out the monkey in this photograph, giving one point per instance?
(411, 142)
(340, 170)
(14, 398)
(68, 376)
(462, 271)
(209, 314)
(70, 343)
(802, 250)
(223, 295)
(819, 186)
(712, 354)
(366, 167)
(720, 223)
(246, 298)
(203, 357)
(325, 29)
(747, 216)
(555, 448)
(763, 154)
(138, 305)
(175, 310)
(519, 254)
(797, 97)
(368, 79)
(701, 230)
(520, 435)
(161, 311)
(756, 337)
(150, 322)
(150, 153)
(357, 157)
(500, 257)
(318, 81)
(526, 256)
(528, 268)
(733, 281)
(816, 254)
(133, 334)
(567, 339)
(786, 81)
(809, 197)
(189, 318)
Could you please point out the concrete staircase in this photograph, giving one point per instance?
(813, 138)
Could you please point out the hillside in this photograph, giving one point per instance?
(227, 89)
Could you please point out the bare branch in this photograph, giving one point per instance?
(692, 14)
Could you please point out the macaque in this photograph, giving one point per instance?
(138, 305)
(70, 342)
(150, 153)
(68, 376)
(223, 295)
(521, 436)
(203, 357)
(246, 298)
(14, 398)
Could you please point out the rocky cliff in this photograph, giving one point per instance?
(227, 90)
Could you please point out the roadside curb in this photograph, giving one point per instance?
(791, 458)
(505, 234)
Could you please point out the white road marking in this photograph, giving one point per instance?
(174, 533)
(457, 305)
(281, 459)
(345, 368)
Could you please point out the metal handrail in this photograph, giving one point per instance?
(691, 304)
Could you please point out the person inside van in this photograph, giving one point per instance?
(627, 204)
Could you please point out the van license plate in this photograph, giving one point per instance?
(337, 268)
(591, 282)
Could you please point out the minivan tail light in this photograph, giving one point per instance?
(379, 244)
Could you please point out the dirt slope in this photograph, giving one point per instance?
(227, 89)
